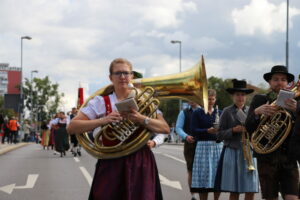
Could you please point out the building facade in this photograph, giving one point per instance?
(10, 79)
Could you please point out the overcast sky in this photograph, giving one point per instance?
(75, 41)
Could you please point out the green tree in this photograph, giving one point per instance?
(223, 97)
(170, 109)
(6, 112)
(41, 97)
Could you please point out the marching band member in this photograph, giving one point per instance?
(183, 129)
(233, 175)
(132, 177)
(277, 171)
(208, 151)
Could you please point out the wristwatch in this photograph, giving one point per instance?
(146, 120)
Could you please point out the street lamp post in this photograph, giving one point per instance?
(21, 84)
(178, 42)
(31, 95)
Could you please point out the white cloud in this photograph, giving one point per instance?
(163, 13)
(251, 69)
(261, 16)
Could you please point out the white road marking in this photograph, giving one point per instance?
(8, 188)
(86, 174)
(30, 182)
(173, 184)
(174, 158)
(76, 159)
(31, 179)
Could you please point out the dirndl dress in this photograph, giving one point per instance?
(233, 175)
(132, 177)
(206, 160)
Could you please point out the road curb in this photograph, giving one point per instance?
(12, 147)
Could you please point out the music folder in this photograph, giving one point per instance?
(126, 105)
(282, 96)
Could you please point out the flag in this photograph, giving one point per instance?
(80, 99)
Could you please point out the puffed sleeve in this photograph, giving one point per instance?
(95, 108)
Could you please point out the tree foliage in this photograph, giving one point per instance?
(5, 112)
(223, 97)
(170, 109)
(41, 97)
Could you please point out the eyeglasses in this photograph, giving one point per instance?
(124, 73)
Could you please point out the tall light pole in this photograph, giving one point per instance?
(21, 84)
(287, 36)
(178, 42)
(31, 96)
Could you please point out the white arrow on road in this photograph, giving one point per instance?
(31, 179)
(173, 184)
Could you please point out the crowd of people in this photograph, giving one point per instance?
(214, 147)
(213, 144)
(218, 162)
(51, 135)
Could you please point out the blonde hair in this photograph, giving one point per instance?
(212, 92)
(117, 61)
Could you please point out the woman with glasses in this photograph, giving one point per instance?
(132, 177)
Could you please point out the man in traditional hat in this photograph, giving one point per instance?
(277, 170)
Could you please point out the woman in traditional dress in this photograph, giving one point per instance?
(233, 174)
(131, 177)
(45, 135)
(61, 135)
(208, 150)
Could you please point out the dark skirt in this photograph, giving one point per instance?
(61, 139)
(133, 177)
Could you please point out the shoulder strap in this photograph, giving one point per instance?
(107, 104)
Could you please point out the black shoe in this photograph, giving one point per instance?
(193, 198)
(75, 154)
(64, 153)
(79, 153)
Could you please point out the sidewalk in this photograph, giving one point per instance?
(4, 148)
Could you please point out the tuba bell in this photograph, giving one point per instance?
(127, 137)
(273, 130)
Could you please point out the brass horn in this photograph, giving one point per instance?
(190, 85)
(272, 131)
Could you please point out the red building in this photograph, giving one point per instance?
(14, 81)
(10, 79)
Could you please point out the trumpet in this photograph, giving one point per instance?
(247, 151)
(246, 142)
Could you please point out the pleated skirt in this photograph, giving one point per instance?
(233, 175)
(132, 177)
(206, 159)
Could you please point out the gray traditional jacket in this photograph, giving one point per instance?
(228, 120)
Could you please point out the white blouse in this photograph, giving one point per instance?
(96, 109)
(96, 106)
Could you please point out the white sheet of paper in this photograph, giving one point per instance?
(282, 96)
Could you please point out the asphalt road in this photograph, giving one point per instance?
(33, 173)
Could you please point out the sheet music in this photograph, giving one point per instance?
(241, 116)
(126, 105)
(282, 96)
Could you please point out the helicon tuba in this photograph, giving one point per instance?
(127, 137)
(272, 131)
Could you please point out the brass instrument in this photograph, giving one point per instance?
(273, 130)
(247, 152)
(127, 137)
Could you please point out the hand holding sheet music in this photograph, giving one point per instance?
(283, 96)
(127, 105)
